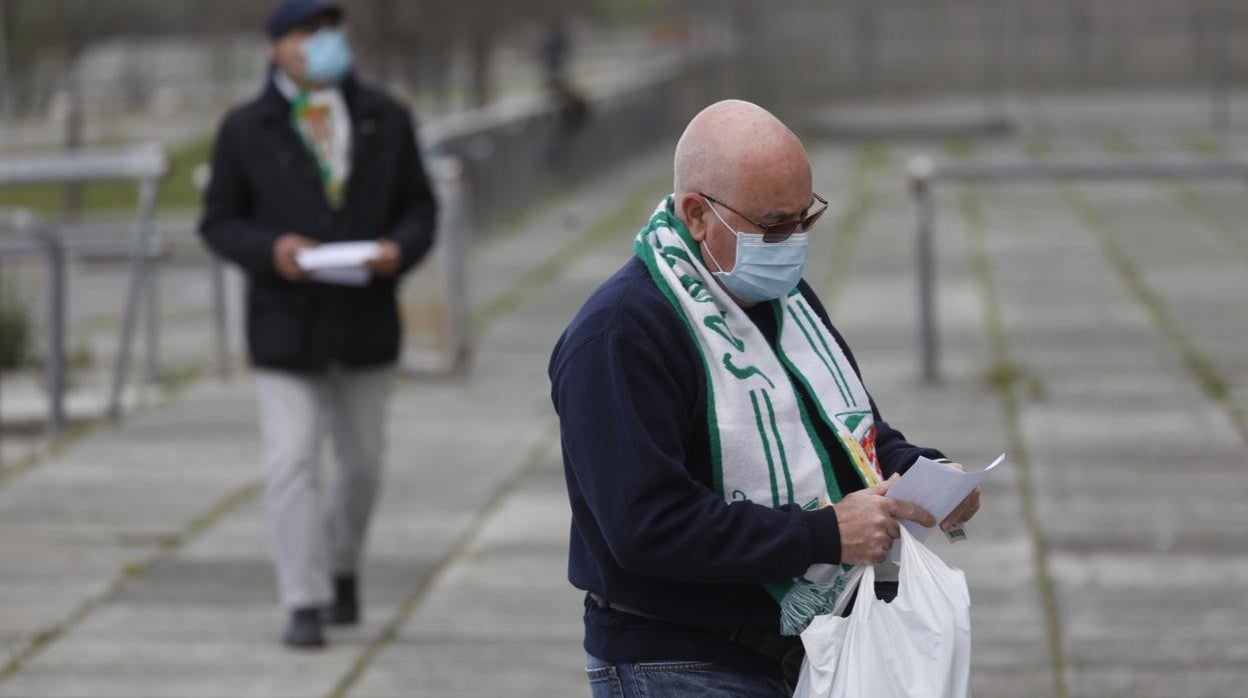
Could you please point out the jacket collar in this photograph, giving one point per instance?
(361, 101)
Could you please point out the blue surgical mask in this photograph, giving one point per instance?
(327, 55)
(765, 271)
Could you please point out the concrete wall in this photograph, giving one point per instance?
(829, 48)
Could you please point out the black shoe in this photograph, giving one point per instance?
(345, 610)
(304, 630)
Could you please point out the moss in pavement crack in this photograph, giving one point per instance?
(1007, 375)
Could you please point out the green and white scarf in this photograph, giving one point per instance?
(763, 443)
(323, 122)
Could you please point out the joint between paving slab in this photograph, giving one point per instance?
(240, 496)
(623, 218)
(972, 214)
(1195, 204)
(1199, 368)
(171, 386)
(1188, 198)
(42, 639)
(533, 459)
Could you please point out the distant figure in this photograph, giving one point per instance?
(319, 157)
(571, 107)
(554, 50)
(723, 458)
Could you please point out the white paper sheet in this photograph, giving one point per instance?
(337, 255)
(936, 488)
(340, 263)
(341, 277)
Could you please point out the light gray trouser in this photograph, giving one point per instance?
(313, 542)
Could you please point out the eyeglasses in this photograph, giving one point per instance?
(779, 232)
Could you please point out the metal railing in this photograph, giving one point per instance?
(146, 166)
(924, 174)
(514, 153)
(32, 236)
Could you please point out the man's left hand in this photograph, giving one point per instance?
(965, 511)
(388, 258)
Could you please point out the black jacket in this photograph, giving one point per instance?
(266, 183)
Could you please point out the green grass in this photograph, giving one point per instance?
(177, 193)
(960, 148)
(1206, 145)
(1038, 147)
(14, 332)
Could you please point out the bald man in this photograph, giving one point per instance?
(725, 464)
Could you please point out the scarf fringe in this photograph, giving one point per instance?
(805, 600)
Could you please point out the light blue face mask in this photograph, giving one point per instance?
(327, 55)
(765, 271)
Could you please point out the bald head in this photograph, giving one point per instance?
(733, 147)
(739, 155)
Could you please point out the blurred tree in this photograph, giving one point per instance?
(398, 41)
(413, 40)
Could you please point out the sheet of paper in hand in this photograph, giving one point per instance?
(938, 489)
(339, 263)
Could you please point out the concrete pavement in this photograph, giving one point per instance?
(1087, 330)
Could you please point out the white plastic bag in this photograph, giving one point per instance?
(917, 646)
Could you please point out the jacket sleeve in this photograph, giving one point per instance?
(418, 209)
(227, 225)
(624, 424)
(896, 454)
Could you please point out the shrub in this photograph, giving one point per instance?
(14, 334)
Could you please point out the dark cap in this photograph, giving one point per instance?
(292, 13)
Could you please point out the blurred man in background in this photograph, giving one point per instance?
(723, 458)
(319, 157)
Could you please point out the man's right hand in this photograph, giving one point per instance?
(284, 250)
(868, 523)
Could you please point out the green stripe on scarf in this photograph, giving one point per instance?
(764, 447)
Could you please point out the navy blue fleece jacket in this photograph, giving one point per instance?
(648, 529)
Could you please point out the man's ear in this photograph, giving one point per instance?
(691, 209)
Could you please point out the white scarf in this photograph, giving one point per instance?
(763, 444)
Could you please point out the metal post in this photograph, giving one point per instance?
(921, 170)
(139, 266)
(55, 364)
(201, 176)
(148, 190)
(457, 274)
(453, 192)
(216, 272)
(1, 373)
(1, 376)
(46, 242)
(151, 352)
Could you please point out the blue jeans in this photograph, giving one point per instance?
(677, 679)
